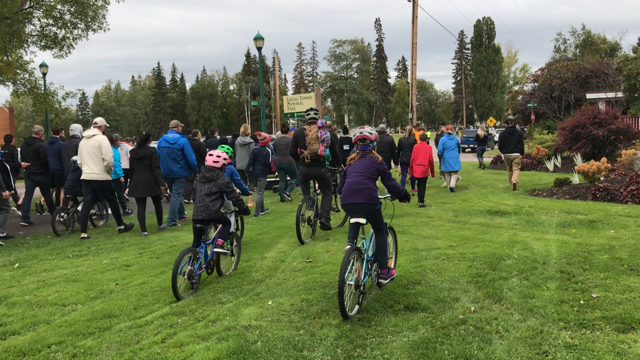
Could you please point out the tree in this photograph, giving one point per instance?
(629, 69)
(380, 80)
(515, 78)
(180, 106)
(461, 61)
(426, 102)
(314, 66)
(203, 100)
(402, 69)
(399, 108)
(585, 45)
(300, 71)
(83, 109)
(172, 95)
(487, 80)
(159, 104)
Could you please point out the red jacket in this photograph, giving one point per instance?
(422, 161)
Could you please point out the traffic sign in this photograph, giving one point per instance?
(533, 117)
(256, 103)
(491, 121)
(532, 105)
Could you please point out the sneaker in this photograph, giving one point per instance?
(257, 215)
(452, 189)
(349, 246)
(386, 275)
(444, 185)
(174, 225)
(145, 234)
(484, 166)
(162, 227)
(185, 217)
(86, 237)
(7, 237)
(325, 226)
(125, 228)
(127, 212)
(26, 223)
(264, 211)
(422, 205)
(414, 190)
(515, 186)
(220, 248)
(288, 197)
(186, 201)
(1, 243)
(17, 210)
(39, 209)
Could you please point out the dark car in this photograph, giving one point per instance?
(468, 140)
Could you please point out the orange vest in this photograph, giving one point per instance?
(417, 134)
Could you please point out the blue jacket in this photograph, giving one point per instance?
(259, 164)
(177, 159)
(117, 172)
(449, 151)
(54, 153)
(232, 174)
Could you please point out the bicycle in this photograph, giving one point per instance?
(337, 221)
(64, 219)
(191, 263)
(357, 269)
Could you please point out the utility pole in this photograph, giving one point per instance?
(464, 97)
(277, 92)
(414, 62)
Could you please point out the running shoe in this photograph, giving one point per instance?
(39, 209)
(17, 210)
(6, 237)
(257, 215)
(422, 205)
(452, 189)
(162, 227)
(414, 190)
(1, 243)
(220, 248)
(386, 275)
(325, 226)
(174, 225)
(264, 211)
(125, 228)
(127, 212)
(349, 246)
(86, 237)
(126, 198)
(145, 234)
(26, 223)
(288, 197)
(185, 217)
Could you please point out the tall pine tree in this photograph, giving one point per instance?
(181, 102)
(83, 109)
(300, 71)
(159, 94)
(380, 80)
(172, 97)
(487, 80)
(402, 69)
(314, 66)
(461, 60)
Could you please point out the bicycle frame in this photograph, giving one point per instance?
(203, 250)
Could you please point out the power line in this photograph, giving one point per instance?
(465, 16)
(481, 13)
(386, 17)
(531, 26)
(436, 20)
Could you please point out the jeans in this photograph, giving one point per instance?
(261, 185)
(404, 170)
(321, 174)
(373, 214)
(285, 170)
(31, 182)
(198, 232)
(94, 191)
(141, 203)
(117, 186)
(422, 189)
(176, 208)
(5, 211)
(480, 153)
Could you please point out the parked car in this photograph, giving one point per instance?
(468, 140)
(497, 135)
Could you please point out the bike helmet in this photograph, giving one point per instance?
(365, 133)
(226, 149)
(74, 161)
(312, 114)
(216, 158)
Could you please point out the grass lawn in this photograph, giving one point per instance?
(528, 265)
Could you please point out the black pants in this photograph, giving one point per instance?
(373, 214)
(57, 184)
(198, 232)
(422, 188)
(189, 189)
(119, 189)
(141, 203)
(321, 174)
(31, 182)
(94, 191)
(125, 186)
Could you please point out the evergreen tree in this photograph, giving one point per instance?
(172, 97)
(181, 102)
(159, 93)
(380, 80)
(314, 65)
(300, 71)
(461, 60)
(399, 107)
(285, 86)
(402, 69)
(83, 109)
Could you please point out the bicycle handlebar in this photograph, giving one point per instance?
(385, 197)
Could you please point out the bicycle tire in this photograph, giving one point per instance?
(304, 222)
(349, 290)
(239, 225)
(392, 249)
(62, 216)
(337, 217)
(99, 216)
(228, 263)
(191, 281)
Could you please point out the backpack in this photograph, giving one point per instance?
(318, 142)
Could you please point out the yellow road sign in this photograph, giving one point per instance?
(491, 121)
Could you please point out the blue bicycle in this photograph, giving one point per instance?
(359, 270)
(191, 263)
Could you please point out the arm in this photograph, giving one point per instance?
(232, 195)
(459, 147)
(42, 154)
(190, 155)
(501, 144)
(432, 165)
(440, 148)
(250, 162)
(413, 161)
(521, 144)
(155, 168)
(293, 148)
(389, 182)
(107, 155)
(237, 181)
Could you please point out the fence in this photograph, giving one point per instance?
(634, 121)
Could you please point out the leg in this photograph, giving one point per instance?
(117, 187)
(198, 232)
(355, 211)
(282, 177)
(172, 218)
(15, 197)
(508, 161)
(404, 169)
(188, 187)
(89, 200)
(422, 187)
(141, 204)
(516, 169)
(293, 177)
(376, 220)
(106, 192)
(304, 178)
(243, 176)
(29, 189)
(223, 221)
(5, 211)
(125, 186)
(261, 185)
(43, 186)
(454, 179)
(324, 184)
(157, 204)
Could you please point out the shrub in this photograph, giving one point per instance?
(627, 162)
(593, 171)
(561, 182)
(605, 193)
(595, 133)
(540, 154)
(544, 140)
(528, 164)
(497, 160)
(631, 195)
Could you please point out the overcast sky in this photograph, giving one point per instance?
(216, 33)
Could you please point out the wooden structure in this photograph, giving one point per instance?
(7, 122)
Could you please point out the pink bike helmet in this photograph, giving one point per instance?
(216, 158)
(365, 133)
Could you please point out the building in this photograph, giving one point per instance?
(606, 100)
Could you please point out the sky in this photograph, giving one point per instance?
(216, 33)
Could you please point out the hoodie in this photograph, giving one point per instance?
(211, 189)
(259, 164)
(34, 152)
(54, 152)
(70, 148)
(511, 141)
(177, 159)
(243, 149)
(117, 172)
(95, 156)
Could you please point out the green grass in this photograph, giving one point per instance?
(528, 265)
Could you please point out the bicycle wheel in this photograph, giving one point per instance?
(338, 216)
(349, 283)
(392, 249)
(184, 281)
(239, 226)
(306, 220)
(62, 221)
(99, 215)
(227, 263)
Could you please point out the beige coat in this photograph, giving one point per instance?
(95, 156)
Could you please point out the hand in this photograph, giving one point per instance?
(163, 188)
(24, 165)
(246, 211)
(237, 191)
(122, 180)
(405, 198)
(5, 195)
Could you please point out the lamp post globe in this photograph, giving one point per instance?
(44, 70)
(258, 41)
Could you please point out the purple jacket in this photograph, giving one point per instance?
(358, 182)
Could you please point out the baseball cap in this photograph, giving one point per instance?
(100, 122)
(175, 124)
(116, 136)
(449, 127)
(382, 127)
(293, 128)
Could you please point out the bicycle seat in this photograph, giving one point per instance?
(358, 221)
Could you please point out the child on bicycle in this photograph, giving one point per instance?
(211, 189)
(359, 195)
(73, 185)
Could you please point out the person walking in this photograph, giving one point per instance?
(386, 147)
(212, 141)
(511, 145)
(200, 151)
(439, 135)
(125, 154)
(95, 159)
(482, 139)
(177, 162)
(421, 165)
(449, 151)
(11, 158)
(346, 145)
(259, 165)
(35, 161)
(117, 177)
(417, 131)
(285, 165)
(7, 187)
(146, 181)
(56, 163)
(244, 145)
(406, 145)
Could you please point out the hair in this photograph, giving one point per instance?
(143, 140)
(8, 138)
(407, 131)
(213, 132)
(481, 132)
(367, 154)
(424, 138)
(441, 130)
(245, 130)
(37, 129)
(345, 130)
(111, 139)
(195, 133)
(449, 131)
(508, 122)
(284, 129)
(223, 141)
(56, 131)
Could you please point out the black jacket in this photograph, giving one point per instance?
(11, 159)
(335, 162)
(299, 142)
(511, 141)
(386, 148)
(34, 152)
(8, 182)
(212, 143)
(346, 145)
(211, 189)
(200, 150)
(405, 148)
(145, 173)
(482, 141)
(70, 150)
(438, 137)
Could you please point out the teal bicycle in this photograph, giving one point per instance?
(359, 270)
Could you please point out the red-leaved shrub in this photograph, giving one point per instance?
(497, 160)
(605, 193)
(596, 134)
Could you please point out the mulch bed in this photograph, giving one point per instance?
(568, 167)
(581, 192)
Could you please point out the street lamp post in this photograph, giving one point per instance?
(44, 69)
(258, 41)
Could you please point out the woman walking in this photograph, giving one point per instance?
(244, 145)
(146, 180)
(405, 149)
(481, 141)
(449, 153)
(421, 166)
(285, 165)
